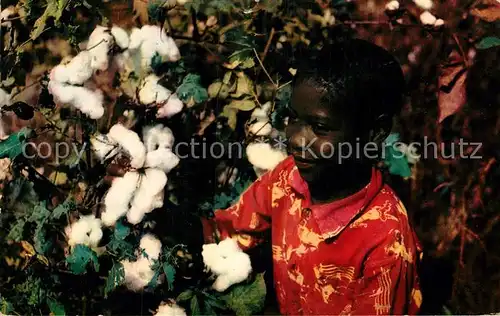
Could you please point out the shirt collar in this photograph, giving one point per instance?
(333, 217)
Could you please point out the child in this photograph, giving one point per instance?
(341, 240)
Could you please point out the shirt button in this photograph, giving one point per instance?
(306, 212)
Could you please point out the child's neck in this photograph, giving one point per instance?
(346, 181)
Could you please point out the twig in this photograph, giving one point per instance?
(462, 52)
(268, 45)
(264, 68)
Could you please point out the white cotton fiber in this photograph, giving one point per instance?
(171, 309)
(87, 101)
(130, 141)
(157, 136)
(99, 45)
(163, 159)
(228, 262)
(103, 146)
(86, 231)
(151, 246)
(118, 197)
(121, 37)
(145, 200)
(263, 156)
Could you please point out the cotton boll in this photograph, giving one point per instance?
(170, 310)
(151, 246)
(155, 40)
(427, 18)
(173, 106)
(77, 71)
(99, 44)
(87, 101)
(103, 146)
(239, 268)
(261, 128)
(262, 113)
(439, 22)
(210, 252)
(121, 37)
(130, 141)
(136, 38)
(228, 246)
(86, 231)
(145, 201)
(424, 4)
(163, 159)
(118, 197)
(157, 136)
(152, 92)
(391, 6)
(263, 156)
(4, 98)
(138, 274)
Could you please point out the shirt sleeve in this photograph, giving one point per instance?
(390, 282)
(247, 220)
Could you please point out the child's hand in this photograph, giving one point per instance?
(228, 262)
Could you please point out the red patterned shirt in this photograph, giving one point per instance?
(357, 255)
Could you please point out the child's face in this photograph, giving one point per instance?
(315, 130)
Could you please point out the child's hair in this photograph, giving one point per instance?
(361, 79)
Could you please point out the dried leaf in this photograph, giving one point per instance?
(244, 86)
(242, 105)
(54, 9)
(488, 10)
(231, 114)
(452, 95)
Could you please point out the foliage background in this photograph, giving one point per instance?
(452, 74)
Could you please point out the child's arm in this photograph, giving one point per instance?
(390, 284)
(247, 220)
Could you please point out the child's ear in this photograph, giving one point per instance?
(381, 128)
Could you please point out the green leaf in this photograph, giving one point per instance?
(488, 42)
(5, 306)
(242, 105)
(64, 208)
(156, 276)
(116, 276)
(191, 90)
(54, 9)
(397, 162)
(247, 299)
(184, 296)
(55, 307)
(170, 274)
(16, 231)
(218, 90)
(13, 146)
(156, 61)
(80, 257)
(195, 306)
(121, 231)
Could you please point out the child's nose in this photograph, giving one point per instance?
(299, 139)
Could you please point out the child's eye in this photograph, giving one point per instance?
(321, 128)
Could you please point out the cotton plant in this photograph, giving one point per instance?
(86, 231)
(139, 273)
(153, 93)
(151, 40)
(138, 192)
(68, 78)
(228, 262)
